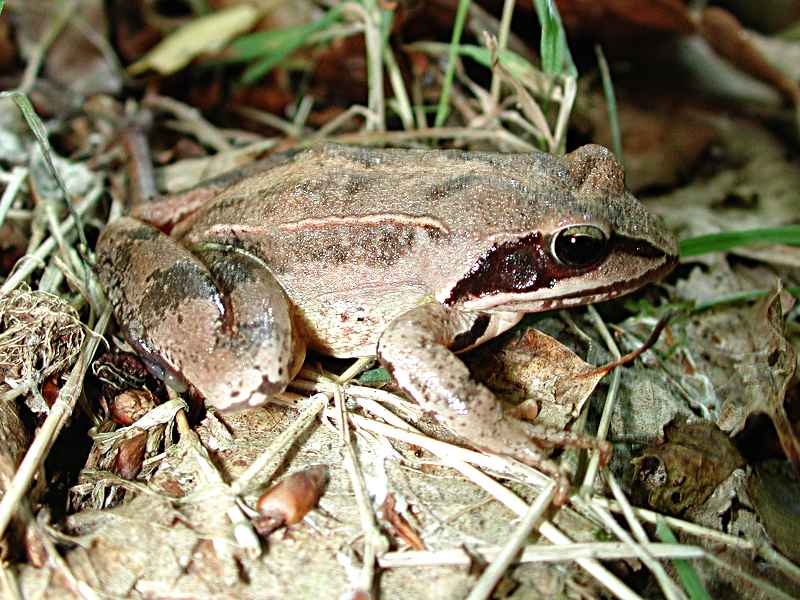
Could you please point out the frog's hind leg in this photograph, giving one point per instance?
(216, 319)
(414, 348)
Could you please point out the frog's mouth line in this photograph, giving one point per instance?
(518, 302)
(613, 290)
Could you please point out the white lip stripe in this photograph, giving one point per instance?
(376, 219)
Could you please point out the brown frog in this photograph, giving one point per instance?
(408, 254)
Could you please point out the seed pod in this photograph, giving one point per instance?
(130, 456)
(130, 405)
(288, 501)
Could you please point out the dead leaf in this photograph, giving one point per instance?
(661, 15)
(771, 367)
(684, 470)
(204, 34)
(727, 36)
(75, 60)
(775, 492)
(662, 140)
(535, 366)
(402, 528)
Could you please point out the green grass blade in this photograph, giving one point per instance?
(40, 133)
(611, 103)
(726, 240)
(272, 47)
(556, 57)
(444, 100)
(686, 572)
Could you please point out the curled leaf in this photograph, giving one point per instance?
(204, 34)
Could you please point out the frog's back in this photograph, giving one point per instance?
(460, 190)
(357, 235)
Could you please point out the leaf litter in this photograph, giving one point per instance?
(181, 526)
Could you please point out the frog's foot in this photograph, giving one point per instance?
(414, 348)
(216, 318)
(550, 438)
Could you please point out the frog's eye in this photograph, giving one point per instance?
(579, 245)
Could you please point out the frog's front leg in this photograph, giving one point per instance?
(415, 349)
(213, 317)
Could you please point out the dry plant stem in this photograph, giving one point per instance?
(498, 136)
(631, 356)
(206, 133)
(315, 383)
(18, 175)
(10, 587)
(141, 180)
(59, 413)
(338, 121)
(608, 407)
(401, 102)
(19, 214)
(35, 260)
(483, 588)
(564, 112)
(668, 587)
(374, 542)
(55, 230)
(302, 112)
(79, 587)
(453, 456)
(243, 531)
(769, 590)
(771, 555)
(502, 41)
(360, 365)
(546, 528)
(767, 553)
(452, 453)
(370, 13)
(685, 526)
(39, 52)
(270, 120)
(308, 414)
(537, 553)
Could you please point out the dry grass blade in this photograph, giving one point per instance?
(537, 553)
(59, 413)
(453, 456)
(375, 543)
(486, 584)
(40, 335)
(255, 474)
(32, 261)
(13, 185)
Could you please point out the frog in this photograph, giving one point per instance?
(410, 255)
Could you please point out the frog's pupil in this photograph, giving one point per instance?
(580, 246)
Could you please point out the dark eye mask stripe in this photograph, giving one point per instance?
(525, 265)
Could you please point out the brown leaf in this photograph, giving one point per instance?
(661, 15)
(767, 377)
(536, 366)
(684, 470)
(727, 36)
(401, 526)
(130, 456)
(774, 490)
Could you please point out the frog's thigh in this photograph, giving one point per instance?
(415, 350)
(219, 320)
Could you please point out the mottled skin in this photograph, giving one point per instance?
(355, 251)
